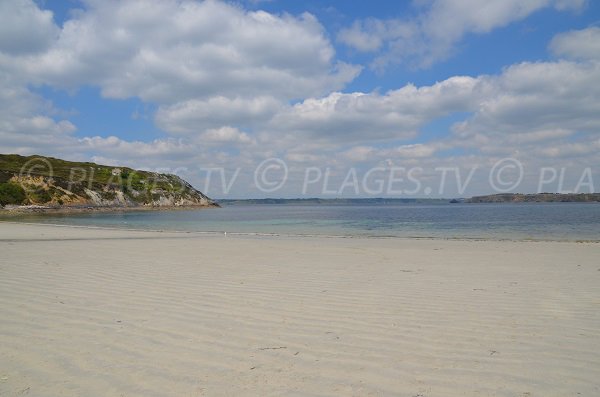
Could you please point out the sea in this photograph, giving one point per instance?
(505, 221)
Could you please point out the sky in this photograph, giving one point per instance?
(251, 99)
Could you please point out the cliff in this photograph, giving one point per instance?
(536, 198)
(38, 181)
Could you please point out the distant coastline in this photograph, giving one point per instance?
(536, 198)
(331, 201)
(493, 198)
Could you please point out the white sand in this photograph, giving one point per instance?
(116, 313)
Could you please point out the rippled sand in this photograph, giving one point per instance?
(88, 312)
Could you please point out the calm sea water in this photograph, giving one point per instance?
(542, 221)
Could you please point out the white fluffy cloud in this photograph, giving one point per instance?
(578, 44)
(117, 146)
(197, 115)
(212, 67)
(228, 135)
(24, 28)
(370, 116)
(174, 50)
(538, 99)
(441, 24)
(577, 149)
(534, 101)
(371, 34)
(370, 154)
(26, 120)
(535, 108)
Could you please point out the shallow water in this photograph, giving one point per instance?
(538, 221)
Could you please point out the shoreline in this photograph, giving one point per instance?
(300, 235)
(43, 210)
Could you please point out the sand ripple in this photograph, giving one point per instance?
(102, 313)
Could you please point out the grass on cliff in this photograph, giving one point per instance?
(84, 173)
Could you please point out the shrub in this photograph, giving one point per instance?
(40, 196)
(11, 193)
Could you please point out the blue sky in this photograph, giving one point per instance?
(187, 86)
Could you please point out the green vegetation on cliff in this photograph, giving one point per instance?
(47, 181)
(11, 193)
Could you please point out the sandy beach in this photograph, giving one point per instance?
(92, 312)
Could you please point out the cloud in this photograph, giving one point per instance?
(212, 68)
(355, 117)
(359, 154)
(533, 108)
(415, 151)
(578, 149)
(371, 34)
(362, 154)
(577, 44)
(137, 149)
(440, 24)
(537, 98)
(197, 115)
(539, 110)
(225, 135)
(26, 119)
(171, 51)
(24, 28)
